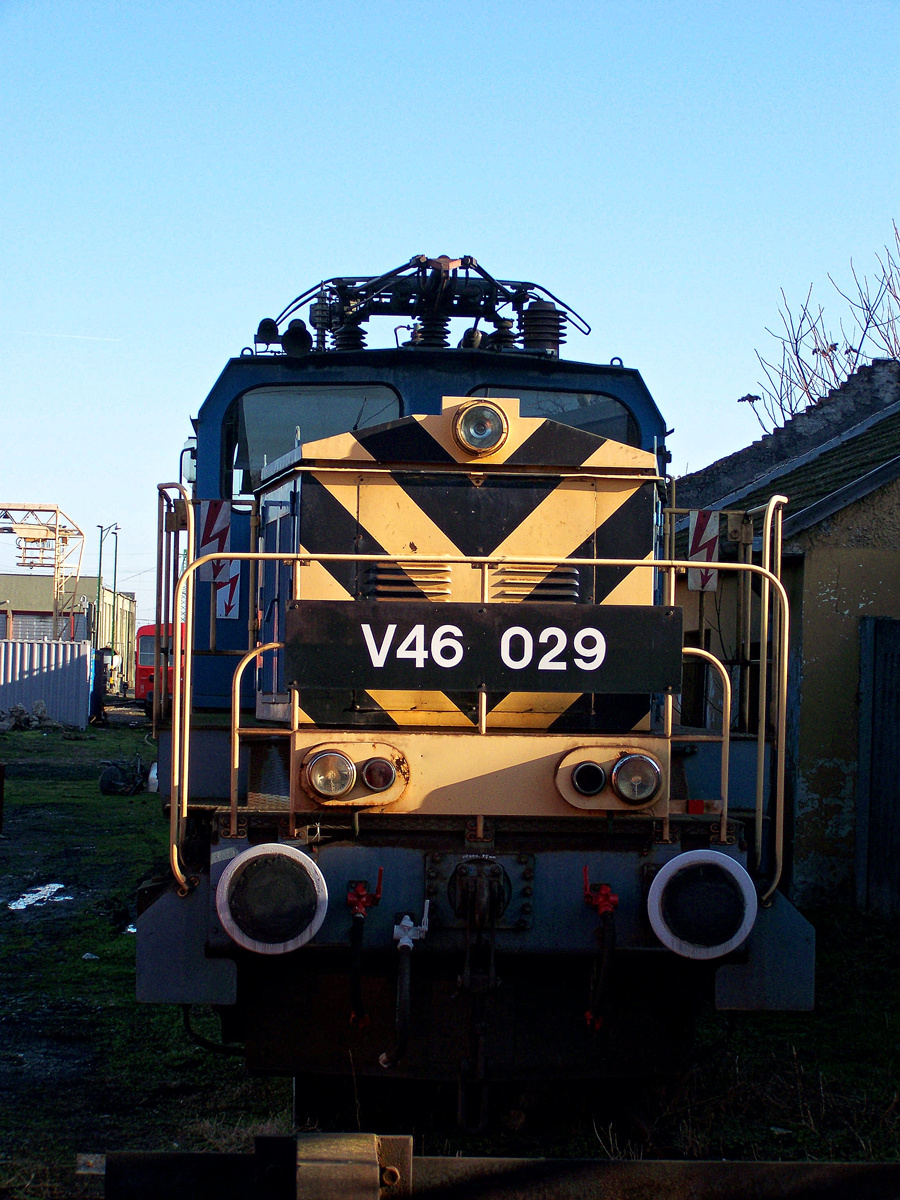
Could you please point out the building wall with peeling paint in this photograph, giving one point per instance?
(850, 569)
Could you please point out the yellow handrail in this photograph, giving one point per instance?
(184, 592)
(236, 721)
(181, 700)
(773, 510)
(696, 652)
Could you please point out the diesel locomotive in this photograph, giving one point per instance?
(438, 807)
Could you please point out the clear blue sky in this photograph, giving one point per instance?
(173, 172)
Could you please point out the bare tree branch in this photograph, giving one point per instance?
(813, 361)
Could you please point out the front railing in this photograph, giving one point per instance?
(182, 600)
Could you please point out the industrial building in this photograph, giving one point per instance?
(26, 614)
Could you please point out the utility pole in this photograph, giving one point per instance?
(99, 586)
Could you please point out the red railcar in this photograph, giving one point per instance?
(144, 664)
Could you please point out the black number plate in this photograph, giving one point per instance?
(503, 647)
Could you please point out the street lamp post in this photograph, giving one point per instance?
(104, 531)
(115, 533)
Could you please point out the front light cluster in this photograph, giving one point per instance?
(331, 774)
(635, 778)
(588, 778)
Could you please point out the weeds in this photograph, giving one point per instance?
(768, 1099)
(233, 1137)
(610, 1145)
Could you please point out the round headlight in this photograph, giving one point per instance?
(480, 428)
(379, 774)
(636, 778)
(331, 774)
(588, 778)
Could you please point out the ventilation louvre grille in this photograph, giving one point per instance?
(269, 784)
(407, 581)
(531, 583)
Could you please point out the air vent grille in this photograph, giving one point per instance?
(407, 581)
(509, 582)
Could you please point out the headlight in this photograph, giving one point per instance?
(331, 774)
(480, 428)
(702, 904)
(588, 778)
(636, 778)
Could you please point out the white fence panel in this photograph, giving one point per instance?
(59, 673)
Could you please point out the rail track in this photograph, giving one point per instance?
(368, 1167)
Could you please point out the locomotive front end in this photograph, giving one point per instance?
(449, 825)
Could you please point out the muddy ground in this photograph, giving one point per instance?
(83, 1068)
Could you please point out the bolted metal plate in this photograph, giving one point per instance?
(338, 1166)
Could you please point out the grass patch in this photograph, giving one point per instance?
(50, 745)
(83, 1067)
(57, 754)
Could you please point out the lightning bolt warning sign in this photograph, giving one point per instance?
(215, 538)
(703, 546)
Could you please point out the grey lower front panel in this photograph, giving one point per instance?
(547, 912)
(519, 994)
(173, 966)
(779, 971)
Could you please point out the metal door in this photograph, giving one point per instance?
(878, 786)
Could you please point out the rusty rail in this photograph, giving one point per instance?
(363, 1166)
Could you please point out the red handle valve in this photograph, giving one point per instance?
(599, 896)
(359, 900)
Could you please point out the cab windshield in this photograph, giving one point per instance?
(592, 411)
(273, 420)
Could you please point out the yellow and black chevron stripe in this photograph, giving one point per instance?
(550, 489)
